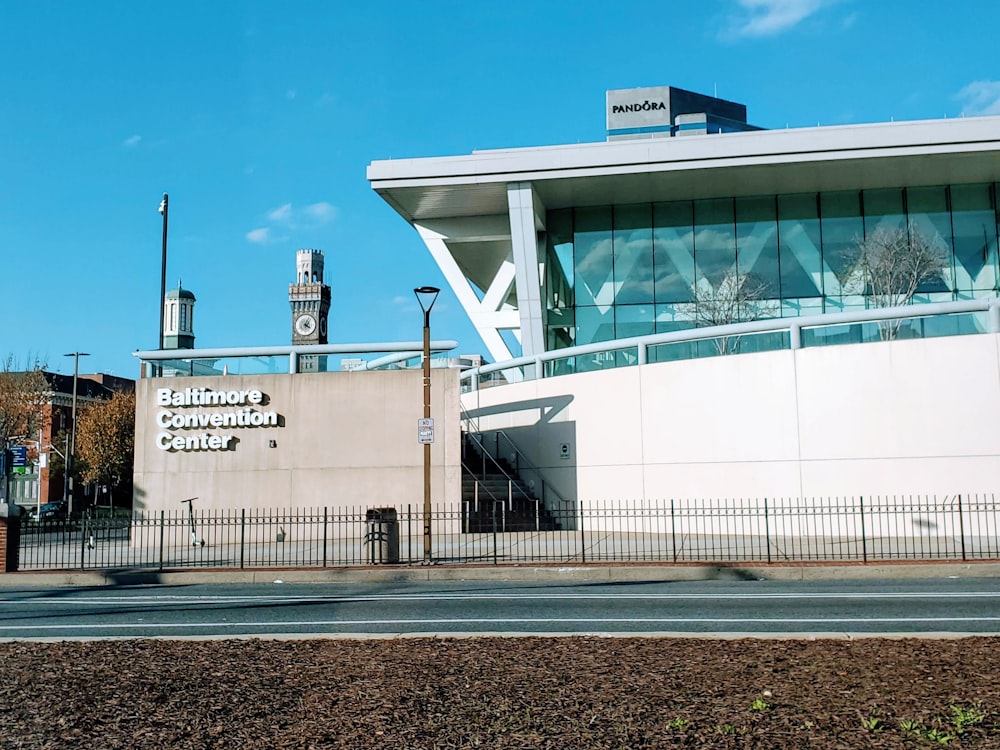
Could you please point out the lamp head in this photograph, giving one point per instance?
(426, 296)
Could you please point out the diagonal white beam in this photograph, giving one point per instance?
(488, 323)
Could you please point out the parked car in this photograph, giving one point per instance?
(49, 511)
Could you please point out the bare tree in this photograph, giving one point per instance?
(737, 298)
(889, 266)
(23, 395)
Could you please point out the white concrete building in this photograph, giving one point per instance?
(555, 248)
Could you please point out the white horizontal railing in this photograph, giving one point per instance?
(793, 326)
(294, 351)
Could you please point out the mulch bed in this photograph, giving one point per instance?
(556, 693)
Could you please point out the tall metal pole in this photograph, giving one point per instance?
(164, 209)
(427, 446)
(71, 452)
(426, 295)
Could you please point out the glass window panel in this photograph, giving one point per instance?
(883, 210)
(594, 324)
(799, 306)
(842, 230)
(928, 217)
(633, 254)
(715, 239)
(975, 240)
(673, 241)
(800, 249)
(671, 318)
(634, 320)
(757, 245)
(559, 259)
(593, 266)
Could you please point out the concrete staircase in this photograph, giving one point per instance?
(494, 497)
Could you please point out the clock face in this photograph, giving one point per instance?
(305, 324)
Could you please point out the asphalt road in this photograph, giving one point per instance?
(703, 608)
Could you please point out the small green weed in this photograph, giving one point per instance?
(966, 716)
(678, 724)
(938, 735)
(725, 729)
(759, 704)
(872, 723)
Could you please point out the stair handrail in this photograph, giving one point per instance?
(520, 459)
(478, 440)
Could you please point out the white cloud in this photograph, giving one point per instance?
(757, 18)
(321, 212)
(289, 219)
(980, 98)
(259, 236)
(281, 213)
(132, 141)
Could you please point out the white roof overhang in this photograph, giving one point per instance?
(734, 164)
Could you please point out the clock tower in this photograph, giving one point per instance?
(309, 298)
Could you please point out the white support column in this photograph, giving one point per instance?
(523, 205)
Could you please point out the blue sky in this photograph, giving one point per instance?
(259, 119)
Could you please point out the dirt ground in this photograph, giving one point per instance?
(554, 693)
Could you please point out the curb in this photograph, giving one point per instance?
(548, 574)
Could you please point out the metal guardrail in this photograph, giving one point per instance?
(292, 352)
(535, 365)
(859, 529)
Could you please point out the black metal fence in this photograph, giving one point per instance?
(861, 529)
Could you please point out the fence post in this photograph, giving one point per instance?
(10, 526)
(325, 521)
(243, 536)
(864, 544)
(767, 531)
(673, 530)
(961, 525)
(583, 539)
(794, 336)
(161, 539)
(494, 532)
(83, 542)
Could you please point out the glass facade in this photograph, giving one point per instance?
(612, 272)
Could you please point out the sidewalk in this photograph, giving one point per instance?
(541, 573)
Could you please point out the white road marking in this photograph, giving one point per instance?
(507, 621)
(477, 596)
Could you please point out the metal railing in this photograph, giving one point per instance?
(766, 530)
(274, 359)
(787, 332)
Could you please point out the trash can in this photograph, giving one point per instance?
(382, 539)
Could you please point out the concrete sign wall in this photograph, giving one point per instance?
(342, 439)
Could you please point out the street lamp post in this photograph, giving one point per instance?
(164, 208)
(426, 296)
(71, 449)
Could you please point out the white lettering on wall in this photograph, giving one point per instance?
(168, 419)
